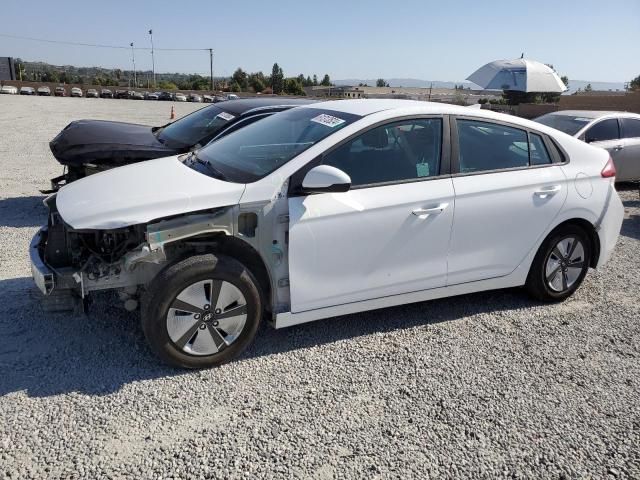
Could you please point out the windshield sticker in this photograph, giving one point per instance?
(328, 120)
(225, 116)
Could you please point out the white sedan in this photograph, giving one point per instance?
(9, 89)
(329, 209)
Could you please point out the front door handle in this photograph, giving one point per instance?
(545, 192)
(617, 148)
(425, 212)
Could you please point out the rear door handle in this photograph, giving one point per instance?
(545, 192)
(425, 212)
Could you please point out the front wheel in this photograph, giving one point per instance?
(201, 311)
(560, 265)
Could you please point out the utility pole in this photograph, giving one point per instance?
(213, 85)
(153, 62)
(133, 57)
(430, 88)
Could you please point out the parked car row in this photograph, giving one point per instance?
(61, 91)
(325, 209)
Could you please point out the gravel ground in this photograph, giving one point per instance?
(485, 385)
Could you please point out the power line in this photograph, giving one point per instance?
(79, 44)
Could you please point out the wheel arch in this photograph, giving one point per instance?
(246, 254)
(591, 232)
(236, 248)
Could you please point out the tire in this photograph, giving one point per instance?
(186, 334)
(552, 256)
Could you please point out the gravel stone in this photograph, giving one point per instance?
(484, 385)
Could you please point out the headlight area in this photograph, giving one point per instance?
(73, 263)
(87, 260)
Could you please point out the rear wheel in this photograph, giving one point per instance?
(201, 311)
(560, 265)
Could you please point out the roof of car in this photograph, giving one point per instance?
(592, 113)
(364, 107)
(243, 105)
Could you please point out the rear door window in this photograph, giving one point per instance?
(484, 146)
(630, 128)
(603, 131)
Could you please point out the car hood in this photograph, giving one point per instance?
(139, 193)
(106, 143)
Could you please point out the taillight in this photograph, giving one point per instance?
(609, 169)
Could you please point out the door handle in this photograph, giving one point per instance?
(425, 212)
(545, 192)
(617, 148)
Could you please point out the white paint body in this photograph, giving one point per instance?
(383, 245)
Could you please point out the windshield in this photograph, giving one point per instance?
(569, 124)
(256, 150)
(198, 127)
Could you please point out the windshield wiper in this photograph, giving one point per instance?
(214, 171)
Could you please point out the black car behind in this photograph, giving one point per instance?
(85, 147)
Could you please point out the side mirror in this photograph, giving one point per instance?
(325, 179)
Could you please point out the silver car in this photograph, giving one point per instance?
(616, 132)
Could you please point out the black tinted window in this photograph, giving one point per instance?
(630, 128)
(398, 151)
(200, 126)
(538, 150)
(486, 146)
(569, 124)
(604, 130)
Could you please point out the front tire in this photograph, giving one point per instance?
(560, 265)
(201, 311)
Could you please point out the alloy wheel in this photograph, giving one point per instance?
(565, 264)
(206, 317)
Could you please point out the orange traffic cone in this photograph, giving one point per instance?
(173, 113)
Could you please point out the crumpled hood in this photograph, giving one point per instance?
(138, 193)
(106, 143)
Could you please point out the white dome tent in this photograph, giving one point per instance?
(522, 75)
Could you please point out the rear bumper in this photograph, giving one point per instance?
(43, 276)
(609, 225)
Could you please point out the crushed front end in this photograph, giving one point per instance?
(72, 262)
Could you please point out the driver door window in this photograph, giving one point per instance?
(395, 152)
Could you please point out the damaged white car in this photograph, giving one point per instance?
(329, 209)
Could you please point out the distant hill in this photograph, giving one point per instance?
(417, 83)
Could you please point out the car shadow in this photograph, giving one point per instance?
(45, 354)
(631, 222)
(382, 321)
(23, 211)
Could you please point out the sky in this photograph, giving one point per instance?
(445, 40)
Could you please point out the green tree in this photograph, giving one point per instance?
(292, 86)
(277, 79)
(315, 81)
(165, 85)
(235, 86)
(381, 83)
(308, 82)
(635, 83)
(326, 81)
(588, 88)
(241, 78)
(257, 81)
